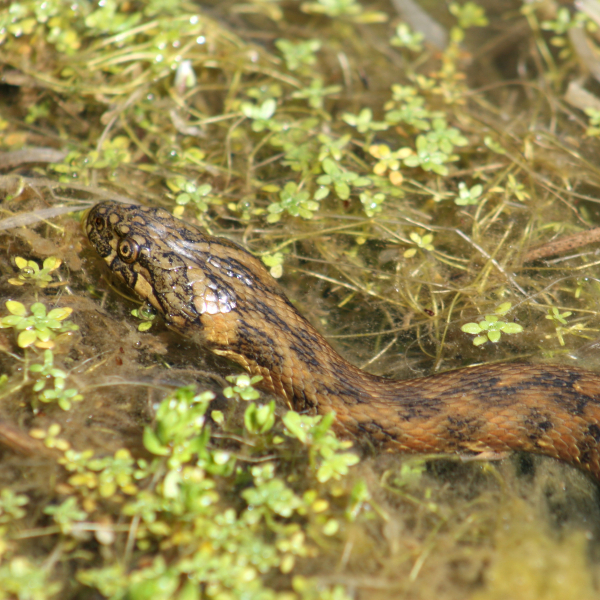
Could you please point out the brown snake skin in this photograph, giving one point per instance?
(211, 289)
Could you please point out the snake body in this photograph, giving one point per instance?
(214, 291)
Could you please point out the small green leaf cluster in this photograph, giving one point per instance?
(39, 328)
(299, 146)
(344, 8)
(261, 115)
(27, 18)
(188, 192)
(67, 515)
(388, 161)
(107, 475)
(275, 263)
(316, 92)
(594, 115)
(113, 154)
(363, 121)
(60, 394)
(467, 196)
(324, 448)
(321, 154)
(434, 147)
(242, 388)
(517, 189)
(337, 178)
(259, 418)
(555, 315)
(176, 502)
(435, 140)
(424, 242)
(30, 272)
(225, 525)
(428, 157)
(37, 112)
(179, 418)
(408, 106)
(11, 506)
(559, 320)
(24, 580)
(326, 168)
(444, 138)
(67, 27)
(298, 55)
(39, 331)
(293, 200)
(372, 203)
(107, 19)
(468, 15)
(491, 328)
(332, 147)
(564, 21)
(407, 38)
(410, 472)
(146, 313)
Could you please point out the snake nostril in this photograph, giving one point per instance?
(99, 223)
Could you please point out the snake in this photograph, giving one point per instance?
(213, 291)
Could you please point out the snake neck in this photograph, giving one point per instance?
(292, 357)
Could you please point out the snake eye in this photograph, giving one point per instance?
(128, 250)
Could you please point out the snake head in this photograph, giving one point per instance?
(170, 264)
(210, 289)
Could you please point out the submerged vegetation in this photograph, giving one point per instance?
(412, 183)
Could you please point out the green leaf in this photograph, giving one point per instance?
(11, 321)
(473, 328)
(153, 444)
(512, 328)
(26, 338)
(494, 336)
(296, 426)
(16, 308)
(51, 263)
(321, 193)
(503, 308)
(38, 309)
(259, 418)
(336, 466)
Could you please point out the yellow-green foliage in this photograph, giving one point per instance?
(395, 183)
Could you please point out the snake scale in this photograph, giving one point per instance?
(212, 290)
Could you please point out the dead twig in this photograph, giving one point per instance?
(563, 244)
